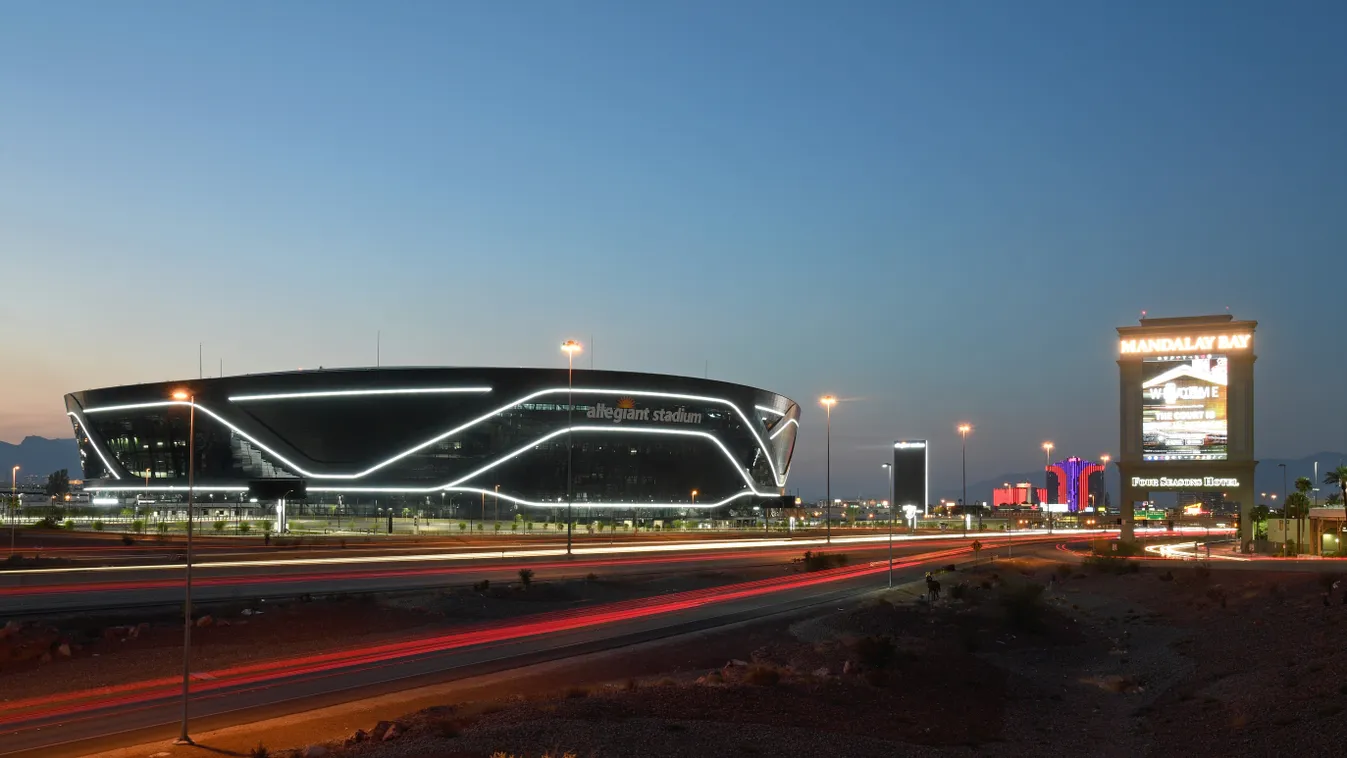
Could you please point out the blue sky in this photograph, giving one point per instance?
(938, 211)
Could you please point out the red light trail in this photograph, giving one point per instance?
(334, 576)
(81, 705)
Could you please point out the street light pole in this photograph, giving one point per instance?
(964, 429)
(183, 737)
(571, 347)
(828, 402)
(892, 507)
(1286, 514)
(1047, 462)
(13, 505)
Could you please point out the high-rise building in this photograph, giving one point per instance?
(1070, 480)
(1018, 494)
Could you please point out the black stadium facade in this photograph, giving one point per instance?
(427, 438)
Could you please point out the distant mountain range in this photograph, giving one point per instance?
(1267, 477)
(39, 456)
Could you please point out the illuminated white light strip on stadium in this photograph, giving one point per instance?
(547, 503)
(356, 393)
(430, 490)
(774, 411)
(778, 477)
(94, 443)
(782, 428)
(446, 489)
(610, 429)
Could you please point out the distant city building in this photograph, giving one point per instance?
(1210, 502)
(1021, 493)
(1070, 481)
(850, 510)
(1097, 492)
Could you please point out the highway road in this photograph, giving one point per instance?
(76, 723)
(216, 578)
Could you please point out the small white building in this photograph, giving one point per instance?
(1328, 525)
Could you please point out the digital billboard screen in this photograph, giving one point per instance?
(1183, 408)
(909, 473)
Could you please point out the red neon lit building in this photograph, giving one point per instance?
(1073, 483)
(1019, 494)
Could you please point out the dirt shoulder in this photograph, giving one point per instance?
(1027, 658)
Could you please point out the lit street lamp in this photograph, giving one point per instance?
(570, 347)
(1104, 459)
(183, 396)
(1047, 462)
(828, 402)
(964, 429)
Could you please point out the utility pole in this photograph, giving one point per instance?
(893, 507)
(828, 402)
(1286, 514)
(570, 347)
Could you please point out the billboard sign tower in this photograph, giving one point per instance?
(1186, 408)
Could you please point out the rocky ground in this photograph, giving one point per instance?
(1024, 658)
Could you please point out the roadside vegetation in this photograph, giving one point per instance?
(821, 561)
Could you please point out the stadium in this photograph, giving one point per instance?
(438, 440)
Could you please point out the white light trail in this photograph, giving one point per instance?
(167, 488)
(486, 554)
(1187, 551)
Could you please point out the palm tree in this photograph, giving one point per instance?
(1336, 476)
(1304, 484)
(1259, 514)
(1297, 506)
(1300, 500)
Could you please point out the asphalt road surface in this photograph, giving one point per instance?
(216, 578)
(80, 722)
